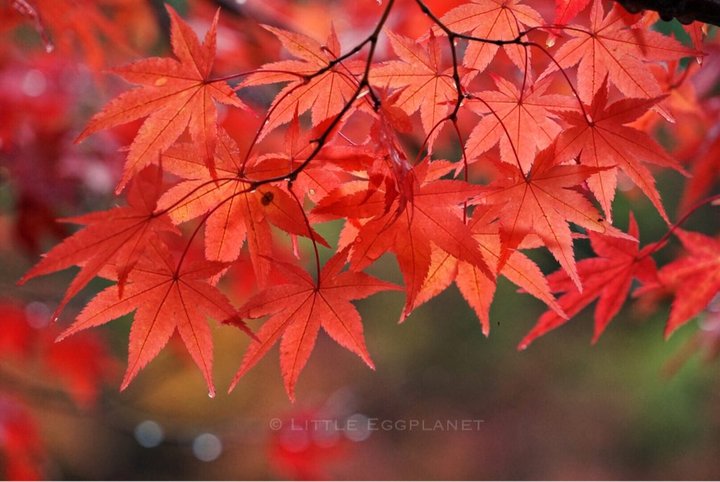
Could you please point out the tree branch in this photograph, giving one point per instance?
(686, 11)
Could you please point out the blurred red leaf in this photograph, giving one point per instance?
(175, 95)
(607, 278)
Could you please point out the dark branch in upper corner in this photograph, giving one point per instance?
(686, 11)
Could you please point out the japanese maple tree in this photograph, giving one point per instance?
(455, 136)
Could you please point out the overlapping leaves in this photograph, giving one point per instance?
(544, 153)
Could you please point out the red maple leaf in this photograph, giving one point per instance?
(17, 335)
(314, 83)
(607, 278)
(602, 140)
(566, 10)
(175, 95)
(560, 139)
(694, 279)
(493, 20)
(116, 236)
(167, 295)
(303, 450)
(80, 364)
(522, 122)
(300, 307)
(542, 202)
(697, 32)
(609, 48)
(427, 211)
(475, 286)
(236, 211)
(426, 86)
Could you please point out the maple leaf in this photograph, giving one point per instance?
(694, 279)
(607, 278)
(492, 20)
(602, 140)
(236, 211)
(474, 285)
(427, 212)
(300, 307)
(425, 85)
(608, 48)
(566, 10)
(522, 122)
(175, 95)
(315, 83)
(166, 296)
(542, 202)
(117, 236)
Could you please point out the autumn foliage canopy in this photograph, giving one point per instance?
(457, 137)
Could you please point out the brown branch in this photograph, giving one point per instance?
(686, 11)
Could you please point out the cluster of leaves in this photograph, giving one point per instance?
(456, 149)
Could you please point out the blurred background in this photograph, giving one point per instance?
(444, 402)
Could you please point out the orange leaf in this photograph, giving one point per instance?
(475, 286)
(175, 95)
(604, 142)
(607, 278)
(425, 85)
(236, 213)
(522, 122)
(313, 85)
(494, 20)
(427, 212)
(166, 297)
(117, 236)
(542, 202)
(609, 48)
(694, 278)
(300, 307)
(566, 10)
